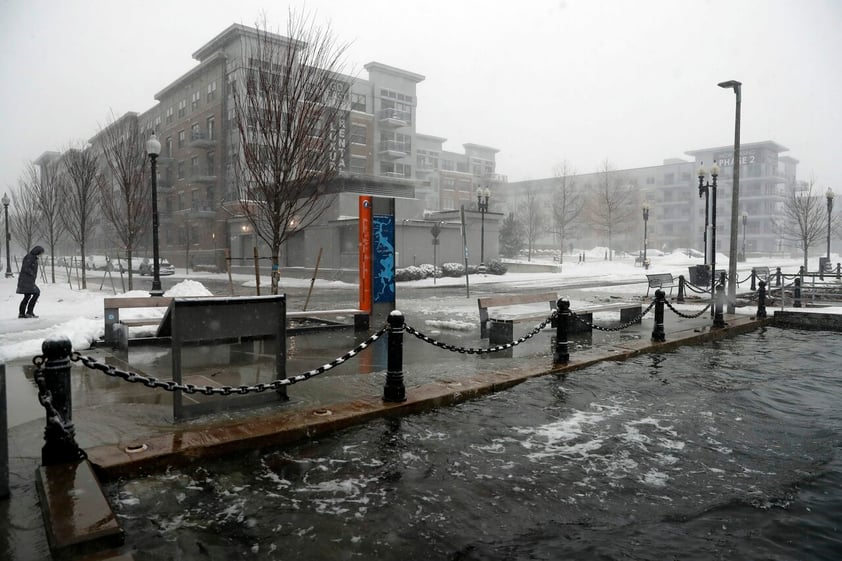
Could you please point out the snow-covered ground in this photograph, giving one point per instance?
(78, 313)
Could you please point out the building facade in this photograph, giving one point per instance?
(382, 154)
(676, 210)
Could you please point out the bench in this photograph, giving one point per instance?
(762, 273)
(115, 326)
(508, 318)
(660, 280)
(628, 312)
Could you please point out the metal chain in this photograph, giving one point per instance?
(688, 316)
(169, 385)
(471, 350)
(619, 327)
(54, 418)
(696, 288)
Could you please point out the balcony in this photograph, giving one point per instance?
(201, 178)
(201, 140)
(394, 149)
(394, 118)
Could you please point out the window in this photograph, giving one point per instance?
(211, 90)
(396, 169)
(157, 122)
(169, 115)
(181, 138)
(168, 151)
(194, 166)
(358, 102)
(195, 132)
(210, 196)
(211, 132)
(180, 174)
(194, 101)
(358, 165)
(358, 133)
(211, 160)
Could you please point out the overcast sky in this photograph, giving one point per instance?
(543, 81)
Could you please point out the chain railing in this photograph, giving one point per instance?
(52, 374)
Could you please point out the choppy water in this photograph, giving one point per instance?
(727, 451)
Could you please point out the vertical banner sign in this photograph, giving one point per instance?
(384, 258)
(365, 253)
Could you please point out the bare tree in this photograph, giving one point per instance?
(50, 201)
(82, 187)
(533, 218)
(804, 217)
(611, 204)
(290, 106)
(567, 205)
(24, 217)
(126, 193)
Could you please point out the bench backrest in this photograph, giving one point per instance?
(762, 272)
(656, 280)
(514, 299)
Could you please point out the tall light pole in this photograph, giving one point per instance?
(482, 205)
(153, 148)
(6, 202)
(745, 220)
(645, 223)
(735, 198)
(829, 196)
(709, 189)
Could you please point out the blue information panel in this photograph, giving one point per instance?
(384, 258)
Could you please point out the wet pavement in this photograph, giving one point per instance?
(114, 418)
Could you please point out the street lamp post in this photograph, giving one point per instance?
(735, 198)
(709, 190)
(6, 202)
(745, 220)
(153, 148)
(482, 205)
(829, 196)
(645, 224)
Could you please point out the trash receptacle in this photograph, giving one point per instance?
(700, 275)
(825, 265)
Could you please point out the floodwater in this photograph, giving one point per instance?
(725, 451)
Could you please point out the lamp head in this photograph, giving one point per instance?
(153, 146)
(829, 194)
(731, 84)
(6, 200)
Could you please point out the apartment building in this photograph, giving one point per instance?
(677, 212)
(381, 154)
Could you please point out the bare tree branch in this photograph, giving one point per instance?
(290, 103)
(83, 182)
(804, 217)
(611, 204)
(126, 193)
(567, 205)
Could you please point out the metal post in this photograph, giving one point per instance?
(735, 197)
(6, 202)
(753, 279)
(561, 353)
(778, 277)
(681, 288)
(394, 390)
(761, 300)
(718, 319)
(153, 148)
(4, 437)
(796, 292)
(658, 332)
(53, 381)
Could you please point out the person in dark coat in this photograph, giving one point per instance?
(26, 283)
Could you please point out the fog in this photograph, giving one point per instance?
(542, 81)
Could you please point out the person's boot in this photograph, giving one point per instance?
(31, 315)
(21, 316)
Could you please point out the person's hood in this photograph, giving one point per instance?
(37, 250)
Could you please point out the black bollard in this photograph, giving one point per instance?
(680, 297)
(796, 293)
(394, 390)
(778, 277)
(718, 319)
(658, 332)
(753, 279)
(761, 300)
(561, 353)
(54, 393)
(838, 271)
